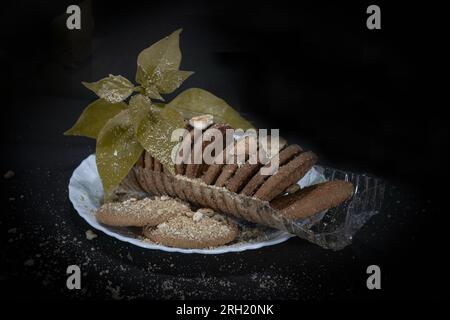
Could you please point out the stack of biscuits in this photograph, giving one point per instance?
(170, 222)
(238, 190)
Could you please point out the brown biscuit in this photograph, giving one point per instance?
(195, 170)
(165, 170)
(192, 168)
(130, 182)
(148, 161)
(222, 128)
(213, 170)
(180, 167)
(287, 175)
(242, 176)
(138, 213)
(198, 231)
(157, 178)
(314, 199)
(258, 179)
(150, 182)
(212, 173)
(227, 171)
(157, 166)
(248, 170)
(140, 162)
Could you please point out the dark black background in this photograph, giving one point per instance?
(363, 100)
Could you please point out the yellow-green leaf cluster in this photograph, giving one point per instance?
(124, 130)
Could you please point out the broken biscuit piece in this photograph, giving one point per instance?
(201, 122)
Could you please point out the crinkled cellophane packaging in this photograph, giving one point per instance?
(332, 229)
(335, 228)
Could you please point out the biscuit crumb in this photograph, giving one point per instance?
(201, 122)
(184, 232)
(90, 235)
(207, 212)
(197, 216)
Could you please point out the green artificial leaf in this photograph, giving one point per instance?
(161, 56)
(117, 150)
(153, 93)
(142, 77)
(140, 106)
(171, 80)
(154, 127)
(94, 117)
(194, 102)
(113, 88)
(157, 66)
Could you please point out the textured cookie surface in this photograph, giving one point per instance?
(314, 199)
(198, 231)
(258, 179)
(286, 176)
(138, 213)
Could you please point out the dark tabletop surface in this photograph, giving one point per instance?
(44, 235)
(325, 81)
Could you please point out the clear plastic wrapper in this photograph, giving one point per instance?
(335, 228)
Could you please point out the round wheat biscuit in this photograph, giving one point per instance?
(287, 175)
(242, 176)
(258, 179)
(213, 171)
(314, 199)
(195, 170)
(180, 166)
(191, 233)
(139, 213)
(245, 172)
(140, 162)
(148, 161)
(227, 171)
(157, 166)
